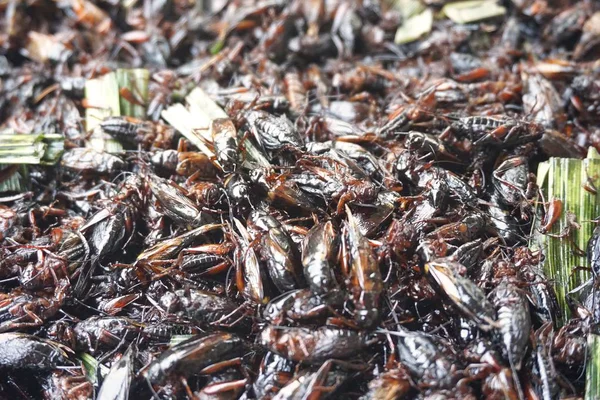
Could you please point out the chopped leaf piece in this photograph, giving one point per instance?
(407, 8)
(217, 47)
(102, 96)
(189, 125)
(91, 367)
(465, 12)
(199, 101)
(415, 27)
(30, 148)
(194, 123)
(124, 92)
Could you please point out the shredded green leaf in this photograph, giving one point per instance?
(566, 180)
(16, 182)
(91, 367)
(136, 82)
(30, 148)
(55, 149)
(592, 379)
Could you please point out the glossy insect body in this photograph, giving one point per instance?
(273, 133)
(96, 333)
(425, 176)
(164, 331)
(513, 319)
(499, 132)
(124, 127)
(389, 385)
(313, 384)
(359, 204)
(281, 192)
(458, 188)
(20, 310)
(44, 273)
(175, 204)
(203, 307)
(326, 178)
(170, 248)
(110, 228)
(400, 239)
(192, 164)
(297, 305)
(238, 189)
(318, 254)
(12, 263)
(27, 352)
(510, 180)
(23, 255)
(165, 161)
(593, 251)
(133, 130)
(274, 373)
(110, 233)
(72, 249)
(428, 145)
(544, 302)
(249, 275)
(313, 346)
(91, 162)
(120, 281)
(546, 385)
(365, 277)
(502, 223)
(225, 385)
(70, 384)
(278, 251)
(480, 123)
(469, 254)
(295, 92)
(202, 264)
(193, 355)
(463, 293)
(462, 231)
(353, 155)
(226, 145)
(372, 217)
(207, 194)
(427, 358)
(570, 345)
